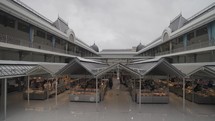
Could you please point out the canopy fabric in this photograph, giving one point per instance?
(82, 67)
(158, 67)
(187, 68)
(14, 70)
(197, 70)
(115, 66)
(203, 72)
(48, 68)
(17, 70)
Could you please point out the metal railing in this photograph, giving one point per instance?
(192, 47)
(162, 53)
(12, 40)
(189, 47)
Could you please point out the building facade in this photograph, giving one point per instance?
(25, 35)
(189, 40)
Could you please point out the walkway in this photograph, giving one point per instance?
(117, 106)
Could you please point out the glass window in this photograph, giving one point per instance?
(201, 31)
(190, 36)
(23, 27)
(57, 40)
(1, 19)
(180, 40)
(49, 37)
(41, 34)
(11, 22)
(7, 21)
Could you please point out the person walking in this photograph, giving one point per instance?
(110, 83)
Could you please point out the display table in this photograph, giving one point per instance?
(206, 96)
(86, 91)
(152, 91)
(153, 98)
(84, 97)
(35, 95)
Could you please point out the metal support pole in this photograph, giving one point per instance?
(96, 93)
(48, 87)
(1, 97)
(56, 85)
(5, 98)
(183, 93)
(140, 95)
(192, 90)
(28, 89)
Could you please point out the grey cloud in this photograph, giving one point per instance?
(117, 23)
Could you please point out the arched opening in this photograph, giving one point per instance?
(71, 38)
(165, 37)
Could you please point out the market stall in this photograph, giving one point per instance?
(86, 90)
(42, 84)
(199, 85)
(83, 87)
(40, 88)
(154, 85)
(152, 91)
(8, 71)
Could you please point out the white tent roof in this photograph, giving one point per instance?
(14, 70)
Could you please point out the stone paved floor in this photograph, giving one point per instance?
(117, 106)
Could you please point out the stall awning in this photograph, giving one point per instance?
(156, 68)
(197, 70)
(187, 68)
(46, 68)
(10, 71)
(116, 66)
(82, 67)
(207, 71)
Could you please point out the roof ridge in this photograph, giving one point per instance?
(62, 20)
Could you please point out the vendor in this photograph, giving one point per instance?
(210, 84)
(197, 88)
(110, 83)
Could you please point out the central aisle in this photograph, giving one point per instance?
(117, 106)
(118, 99)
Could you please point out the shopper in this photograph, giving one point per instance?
(197, 88)
(110, 83)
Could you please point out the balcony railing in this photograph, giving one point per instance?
(12, 40)
(162, 53)
(189, 47)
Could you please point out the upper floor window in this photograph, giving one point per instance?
(180, 40)
(49, 37)
(201, 31)
(190, 36)
(7, 21)
(41, 34)
(23, 27)
(57, 41)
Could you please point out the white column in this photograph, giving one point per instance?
(184, 94)
(140, 95)
(28, 89)
(56, 92)
(193, 90)
(5, 99)
(96, 93)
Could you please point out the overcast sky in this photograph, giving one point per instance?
(117, 24)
